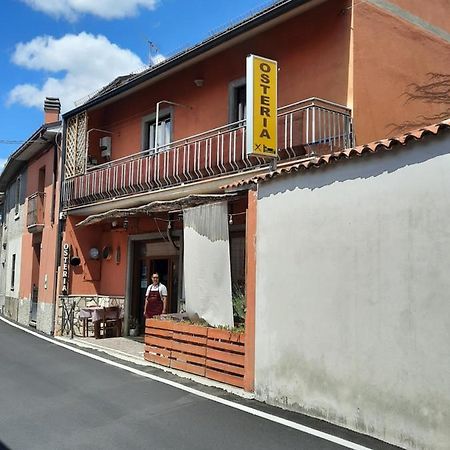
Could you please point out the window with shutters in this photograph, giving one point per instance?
(75, 162)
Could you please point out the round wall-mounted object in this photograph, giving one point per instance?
(94, 253)
(75, 261)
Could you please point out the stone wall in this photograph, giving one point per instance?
(44, 319)
(73, 303)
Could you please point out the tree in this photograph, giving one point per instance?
(436, 91)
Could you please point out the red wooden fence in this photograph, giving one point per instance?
(209, 352)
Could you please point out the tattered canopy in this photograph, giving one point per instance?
(155, 207)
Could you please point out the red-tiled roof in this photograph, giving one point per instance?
(373, 147)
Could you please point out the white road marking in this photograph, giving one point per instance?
(247, 409)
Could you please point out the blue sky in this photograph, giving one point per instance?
(70, 48)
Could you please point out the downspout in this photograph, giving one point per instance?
(59, 171)
(351, 69)
(54, 178)
(169, 233)
(167, 102)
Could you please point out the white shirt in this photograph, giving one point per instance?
(159, 287)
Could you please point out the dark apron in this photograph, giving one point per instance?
(154, 304)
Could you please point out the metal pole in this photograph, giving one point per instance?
(273, 164)
(72, 314)
(157, 126)
(63, 317)
(168, 102)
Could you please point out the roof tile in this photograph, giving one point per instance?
(373, 147)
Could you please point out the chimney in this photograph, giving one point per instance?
(52, 108)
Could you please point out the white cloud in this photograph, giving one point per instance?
(79, 64)
(106, 9)
(2, 164)
(158, 58)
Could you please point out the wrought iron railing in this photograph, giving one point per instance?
(35, 212)
(304, 128)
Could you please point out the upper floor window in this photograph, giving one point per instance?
(41, 179)
(151, 131)
(237, 100)
(17, 196)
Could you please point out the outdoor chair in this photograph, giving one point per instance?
(111, 323)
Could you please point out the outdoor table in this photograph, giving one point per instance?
(96, 315)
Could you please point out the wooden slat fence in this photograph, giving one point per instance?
(209, 352)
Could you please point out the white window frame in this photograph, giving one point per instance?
(234, 112)
(164, 133)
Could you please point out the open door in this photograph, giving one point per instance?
(146, 262)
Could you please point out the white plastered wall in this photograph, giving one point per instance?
(14, 226)
(352, 295)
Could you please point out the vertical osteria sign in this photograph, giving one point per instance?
(65, 269)
(261, 106)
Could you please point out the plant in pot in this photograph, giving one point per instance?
(239, 305)
(133, 326)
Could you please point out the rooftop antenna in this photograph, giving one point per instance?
(152, 51)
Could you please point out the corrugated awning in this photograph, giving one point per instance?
(156, 207)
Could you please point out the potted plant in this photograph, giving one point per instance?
(239, 305)
(133, 327)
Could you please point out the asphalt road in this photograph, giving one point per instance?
(53, 398)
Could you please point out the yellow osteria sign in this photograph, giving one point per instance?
(261, 106)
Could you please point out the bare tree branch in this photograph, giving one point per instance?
(436, 90)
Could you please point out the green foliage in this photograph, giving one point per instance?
(238, 329)
(239, 304)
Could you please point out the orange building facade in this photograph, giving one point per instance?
(30, 243)
(151, 145)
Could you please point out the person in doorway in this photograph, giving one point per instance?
(155, 298)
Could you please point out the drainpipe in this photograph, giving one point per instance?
(54, 178)
(167, 102)
(60, 223)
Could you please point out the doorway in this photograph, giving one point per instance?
(150, 257)
(35, 266)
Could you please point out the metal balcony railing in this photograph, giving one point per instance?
(35, 212)
(308, 127)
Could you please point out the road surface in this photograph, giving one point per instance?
(53, 398)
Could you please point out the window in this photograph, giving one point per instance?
(17, 197)
(164, 131)
(13, 271)
(41, 179)
(237, 100)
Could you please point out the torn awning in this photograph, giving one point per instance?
(155, 207)
(207, 268)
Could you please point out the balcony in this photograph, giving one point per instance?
(305, 128)
(35, 213)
